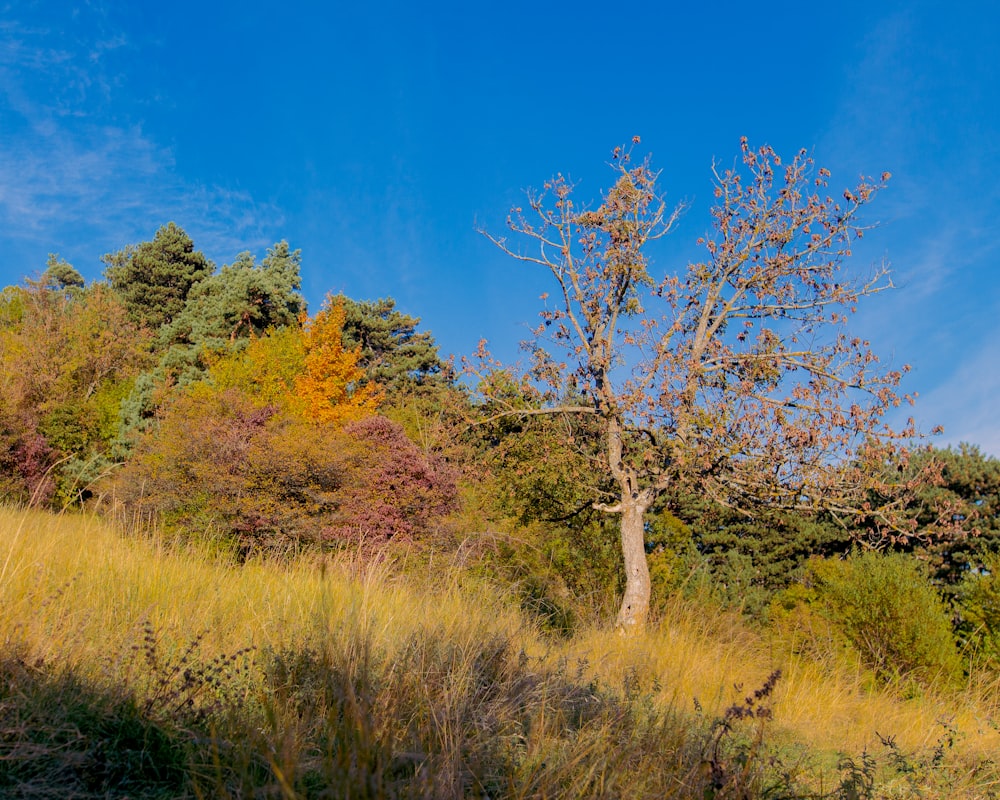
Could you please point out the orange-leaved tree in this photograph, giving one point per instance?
(329, 386)
(733, 378)
(303, 370)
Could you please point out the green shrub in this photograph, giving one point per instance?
(979, 605)
(888, 609)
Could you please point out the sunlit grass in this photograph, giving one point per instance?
(73, 585)
(708, 658)
(412, 648)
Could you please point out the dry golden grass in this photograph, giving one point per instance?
(75, 591)
(696, 655)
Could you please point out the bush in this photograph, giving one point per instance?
(26, 462)
(890, 612)
(393, 490)
(979, 605)
(222, 464)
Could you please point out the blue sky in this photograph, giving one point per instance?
(376, 137)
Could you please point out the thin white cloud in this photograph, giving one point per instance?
(901, 110)
(966, 401)
(119, 182)
(73, 163)
(895, 113)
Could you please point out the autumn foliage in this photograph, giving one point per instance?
(329, 385)
(65, 355)
(734, 377)
(280, 447)
(224, 466)
(305, 370)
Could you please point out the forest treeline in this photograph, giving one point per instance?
(214, 405)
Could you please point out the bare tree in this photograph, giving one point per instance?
(735, 378)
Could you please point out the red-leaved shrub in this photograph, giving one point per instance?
(222, 465)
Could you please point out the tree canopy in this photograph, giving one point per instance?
(393, 352)
(961, 506)
(243, 299)
(67, 352)
(154, 278)
(221, 313)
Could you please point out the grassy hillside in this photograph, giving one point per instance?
(129, 668)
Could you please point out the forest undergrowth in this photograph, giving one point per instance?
(131, 667)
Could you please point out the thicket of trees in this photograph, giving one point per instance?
(210, 400)
(721, 445)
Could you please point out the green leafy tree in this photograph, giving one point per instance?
(733, 378)
(68, 354)
(534, 476)
(154, 278)
(265, 370)
(543, 465)
(978, 602)
(12, 301)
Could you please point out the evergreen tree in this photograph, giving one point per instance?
(221, 314)
(393, 352)
(965, 503)
(60, 275)
(154, 278)
(752, 556)
(244, 299)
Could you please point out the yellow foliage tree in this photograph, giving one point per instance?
(328, 386)
(307, 371)
(266, 369)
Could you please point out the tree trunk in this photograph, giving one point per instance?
(635, 604)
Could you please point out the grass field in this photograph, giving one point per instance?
(130, 668)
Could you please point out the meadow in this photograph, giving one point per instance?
(134, 667)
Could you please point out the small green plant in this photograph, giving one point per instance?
(888, 609)
(740, 770)
(185, 687)
(858, 777)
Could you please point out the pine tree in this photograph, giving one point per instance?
(154, 278)
(393, 352)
